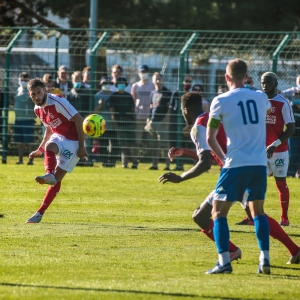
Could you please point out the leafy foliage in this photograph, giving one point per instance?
(153, 14)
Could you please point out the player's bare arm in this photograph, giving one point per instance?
(211, 138)
(77, 119)
(41, 148)
(174, 151)
(203, 165)
(289, 131)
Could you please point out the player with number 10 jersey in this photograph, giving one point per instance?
(243, 113)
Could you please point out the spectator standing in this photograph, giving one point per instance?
(108, 143)
(48, 81)
(117, 72)
(289, 93)
(86, 77)
(78, 96)
(159, 107)
(122, 110)
(187, 83)
(62, 80)
(140, 92)
(294, 140)
(249, 84)
(175, 117)
(1, 111)
(222, 89)
(199, 89)
(25, 119)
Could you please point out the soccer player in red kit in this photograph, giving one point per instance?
(62, 144)
(281, 116)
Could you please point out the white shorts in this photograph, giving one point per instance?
(67, 157)
(278, 164)
(210, 198)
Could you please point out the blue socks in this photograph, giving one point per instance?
(262, 231)
(221, 234)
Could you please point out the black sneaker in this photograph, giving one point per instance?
(153, 168)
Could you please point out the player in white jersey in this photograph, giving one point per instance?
(242, 112)
(62, 144)
(193, 114)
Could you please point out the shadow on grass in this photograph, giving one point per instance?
(1, 216)
(112, 291)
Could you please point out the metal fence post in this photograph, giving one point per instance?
(6, 94)
(182, 71)
(277, 52)
(93, 63)
(57, 37)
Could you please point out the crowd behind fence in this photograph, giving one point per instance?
(175, 54)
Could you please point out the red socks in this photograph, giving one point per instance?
(209, 233)
(284, 196)
(49, 197)
(49, 161)
(279, 234)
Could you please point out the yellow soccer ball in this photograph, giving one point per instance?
(94, 125)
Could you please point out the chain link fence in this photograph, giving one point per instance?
(175, 54)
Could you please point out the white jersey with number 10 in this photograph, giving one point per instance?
(243, 114)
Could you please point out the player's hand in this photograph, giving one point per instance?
(175, 152)
(35, 154)
(270, 151)
(82, 153)
(169, 177)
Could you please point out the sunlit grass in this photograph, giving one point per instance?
(119, 234)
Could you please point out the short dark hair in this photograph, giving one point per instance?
(117, 67)
(47, 78)
(191, 99)
(33, 83)
(24, 75)
(237, 69)
(200, 86)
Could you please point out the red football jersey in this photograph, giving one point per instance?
(221, 136)
(57, 114)
(281, 114)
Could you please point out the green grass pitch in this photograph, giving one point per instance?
(119, 234)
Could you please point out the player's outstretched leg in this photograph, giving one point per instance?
(51, 193)
(50, 165)
(202, 217)
(279, 234)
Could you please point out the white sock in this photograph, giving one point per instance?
(264, 254)
(224, 258)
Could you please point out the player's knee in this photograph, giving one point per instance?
(201, 218)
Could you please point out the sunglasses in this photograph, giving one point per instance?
(187, 81)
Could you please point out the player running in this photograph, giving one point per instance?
(281, 116)
(62, 144)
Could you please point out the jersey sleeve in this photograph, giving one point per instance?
(287, 113)
(215, 110)
(198, 135)
(64, 107)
